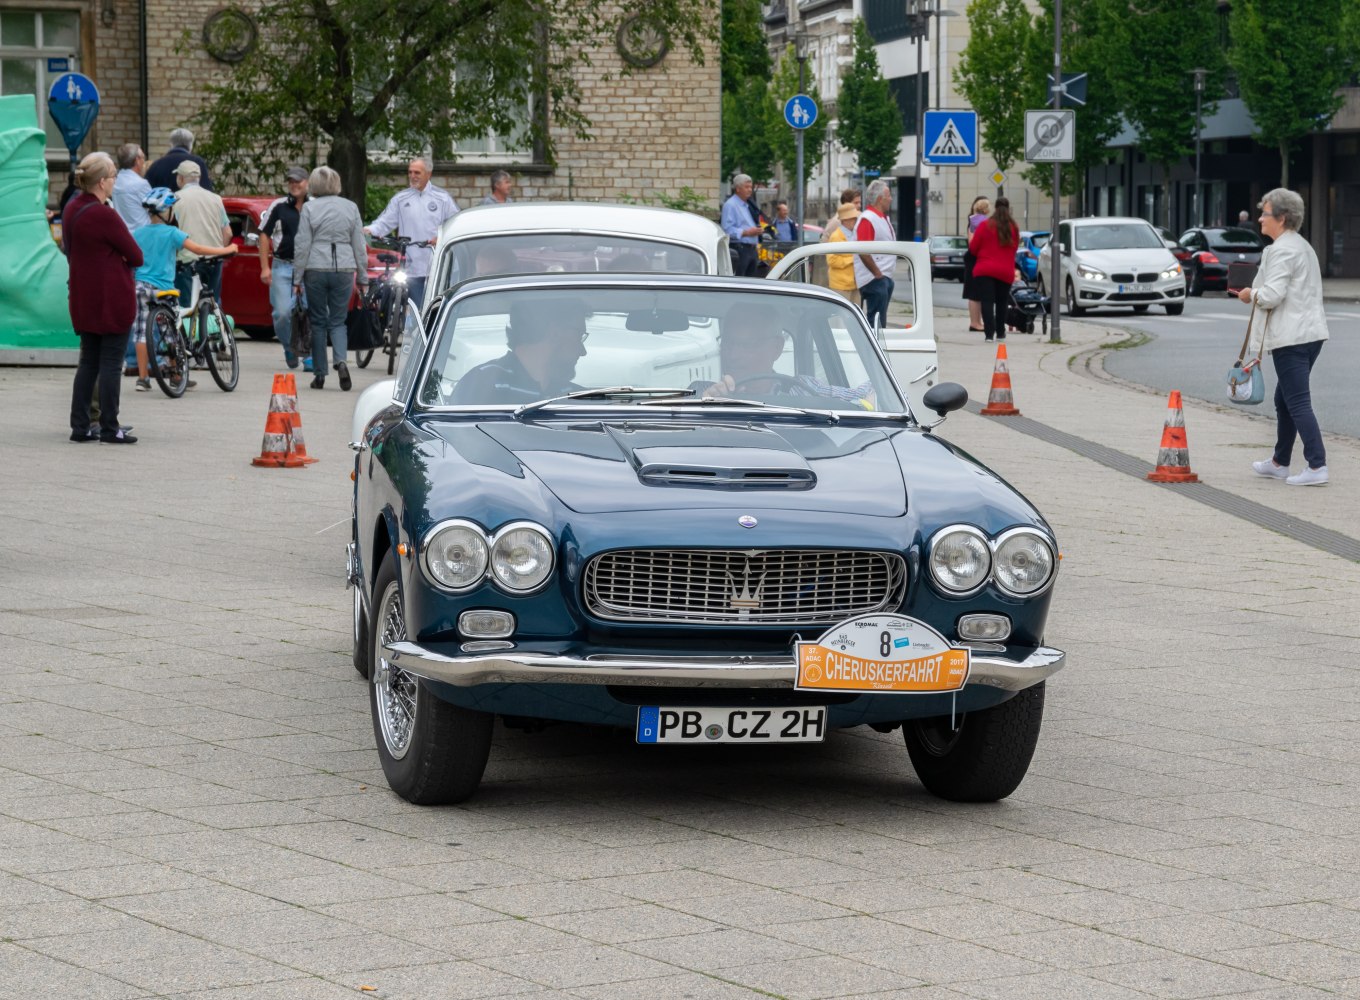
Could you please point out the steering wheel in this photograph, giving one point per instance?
(786, 384)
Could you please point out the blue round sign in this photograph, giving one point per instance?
(800, 111)
(73, 103)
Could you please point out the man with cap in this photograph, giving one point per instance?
(278, 226)
(203, 218)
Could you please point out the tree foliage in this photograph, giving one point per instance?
(870, 121)
(745, 52)
(745, 92)
(783, 86)
(1291, 60)
(993, 77)
(339, 75)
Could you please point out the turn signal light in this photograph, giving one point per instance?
(991, 628)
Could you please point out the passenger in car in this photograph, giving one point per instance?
(546, 339)
(495, 260)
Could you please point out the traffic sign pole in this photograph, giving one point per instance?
(800, 111)
(1055, 258)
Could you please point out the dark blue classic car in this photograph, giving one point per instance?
(696, 508)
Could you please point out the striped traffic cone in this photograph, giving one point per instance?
(283, 447)
(1173, 458)
(999, 401)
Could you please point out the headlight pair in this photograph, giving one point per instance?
(1090, 273)
(457, 555)
(962, 559)
(1172, 272)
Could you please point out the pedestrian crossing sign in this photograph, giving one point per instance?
(950, 137)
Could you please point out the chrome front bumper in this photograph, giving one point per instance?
(511, 667)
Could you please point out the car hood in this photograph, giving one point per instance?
(1140, 259)
(601, 466)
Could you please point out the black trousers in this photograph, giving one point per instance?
(747, 258)
(101, 360)
(995, 296)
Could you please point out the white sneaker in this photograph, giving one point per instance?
(1309, 477)
(1270, 470)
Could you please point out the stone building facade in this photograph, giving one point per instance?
(655, 133)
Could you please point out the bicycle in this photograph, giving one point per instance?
(387, 298)
(210, 338)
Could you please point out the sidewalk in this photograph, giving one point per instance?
(1341, 289)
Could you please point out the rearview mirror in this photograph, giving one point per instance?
(1062, 248)
(657, 321)
(945, 398)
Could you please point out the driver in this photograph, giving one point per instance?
(546, 338)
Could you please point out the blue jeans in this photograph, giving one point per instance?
(328, 295)
(281, 301)
(876, 295)
(1294, 404)
(415, 290)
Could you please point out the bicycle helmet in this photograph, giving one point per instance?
(159, 200)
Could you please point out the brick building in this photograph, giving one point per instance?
(655, 132)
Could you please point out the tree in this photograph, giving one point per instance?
(1149, 47)
(870, 121)
(1291, 62)
(782, 87)
(993, 77)
(745, 92)
(342, 74)
(745, 52)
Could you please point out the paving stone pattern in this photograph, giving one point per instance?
(191, 807)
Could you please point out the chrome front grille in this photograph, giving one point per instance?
(742, 586)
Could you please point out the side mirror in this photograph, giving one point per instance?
(252, 240)
(1063, 249)
(945, 398)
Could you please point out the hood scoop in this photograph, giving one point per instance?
(741, 458)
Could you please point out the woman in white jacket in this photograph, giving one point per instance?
(329, 254)
(1289, 288)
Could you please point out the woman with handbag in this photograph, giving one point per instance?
(329, 255)
(1289, 288)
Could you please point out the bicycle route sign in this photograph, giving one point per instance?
(1050, 136)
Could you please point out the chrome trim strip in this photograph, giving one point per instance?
(678, 671)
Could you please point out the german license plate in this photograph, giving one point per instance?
(1135, 288)
(805, 724)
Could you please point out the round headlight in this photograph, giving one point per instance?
(960, 559)
(1024, 562)
(522, 556)
(454, 555)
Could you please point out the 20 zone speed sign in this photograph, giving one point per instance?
(1050, 136)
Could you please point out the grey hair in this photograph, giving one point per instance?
(1285, 205)
(323, 181)
(498, 176)
(425, 161)
(877, 190)
(128, 153)
(741, 179)
(182, 137)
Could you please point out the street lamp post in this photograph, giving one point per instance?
(917, 18)
(800, 52)
(1199, 72)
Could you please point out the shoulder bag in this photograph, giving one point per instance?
(1246, 384)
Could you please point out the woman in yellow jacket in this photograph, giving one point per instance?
(841, 266)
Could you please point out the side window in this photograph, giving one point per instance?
(412, 350)
(241, 226)
(1065, 235)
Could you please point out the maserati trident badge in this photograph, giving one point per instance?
(747, 521)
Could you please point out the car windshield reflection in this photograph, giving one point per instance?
(515, 348)
(1117, 236)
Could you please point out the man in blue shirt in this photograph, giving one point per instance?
(784, 226)
(130, 187)
(741, 229)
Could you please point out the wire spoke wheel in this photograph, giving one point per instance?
(396, 691)
(219, 346)
(167, 352)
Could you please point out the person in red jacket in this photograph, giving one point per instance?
(993, 244)
(102, 255)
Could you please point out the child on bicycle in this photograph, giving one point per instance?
(159, 243)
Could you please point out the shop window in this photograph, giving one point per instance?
(36, 47)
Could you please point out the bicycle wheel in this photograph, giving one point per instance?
(396, 320)
(219, 346)
(168, 352)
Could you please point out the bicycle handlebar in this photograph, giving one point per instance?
(401, 243)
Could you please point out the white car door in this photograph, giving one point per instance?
(912, 349)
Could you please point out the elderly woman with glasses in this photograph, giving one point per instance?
(1288, 287)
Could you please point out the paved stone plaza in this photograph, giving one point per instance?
(191, 805)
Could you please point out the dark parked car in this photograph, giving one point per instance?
(1027, 254)
(721, 523)
(1212, 251)
(1181, 253)
(946, 256)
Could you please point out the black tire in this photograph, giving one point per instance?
(362, 358)
(1175, 310)
(396, 322)
(219, 346)
(1072, 308)
(1140, 309)
(986, 757)
(258, 332)
(167, 352)
(432, 753)
(1196, 283)
(361, 654)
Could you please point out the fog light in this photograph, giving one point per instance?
(992, 628)
(486, 624)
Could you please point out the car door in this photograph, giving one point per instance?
(244, 297)
(911, 350)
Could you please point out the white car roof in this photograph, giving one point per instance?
(557, 216)
(1103, 219)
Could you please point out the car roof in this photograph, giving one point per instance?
(548, 216)
(651, 279)
(1092, 220)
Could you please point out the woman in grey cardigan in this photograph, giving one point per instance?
(329, 255)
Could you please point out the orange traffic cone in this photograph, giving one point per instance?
(1173, 459)
(283, 446)
(999, 401)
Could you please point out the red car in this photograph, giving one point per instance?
(244, 297)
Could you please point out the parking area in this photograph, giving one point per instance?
(191, 804)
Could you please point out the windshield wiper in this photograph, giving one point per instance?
(609, 392)
(829, 415)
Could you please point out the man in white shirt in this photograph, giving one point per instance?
(416, 213)
(874, 272)
(130, 187)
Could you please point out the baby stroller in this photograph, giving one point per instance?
(1026, 306)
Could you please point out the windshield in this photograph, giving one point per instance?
(1117, 236)
(949, 243)
(1234, 240)
(519, 347)
(1039, 240)
(536, 253)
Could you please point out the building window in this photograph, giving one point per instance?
(36, 47)
(515, 147)
(904, 89)
(886, 20)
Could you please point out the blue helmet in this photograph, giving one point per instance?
(159, 200)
